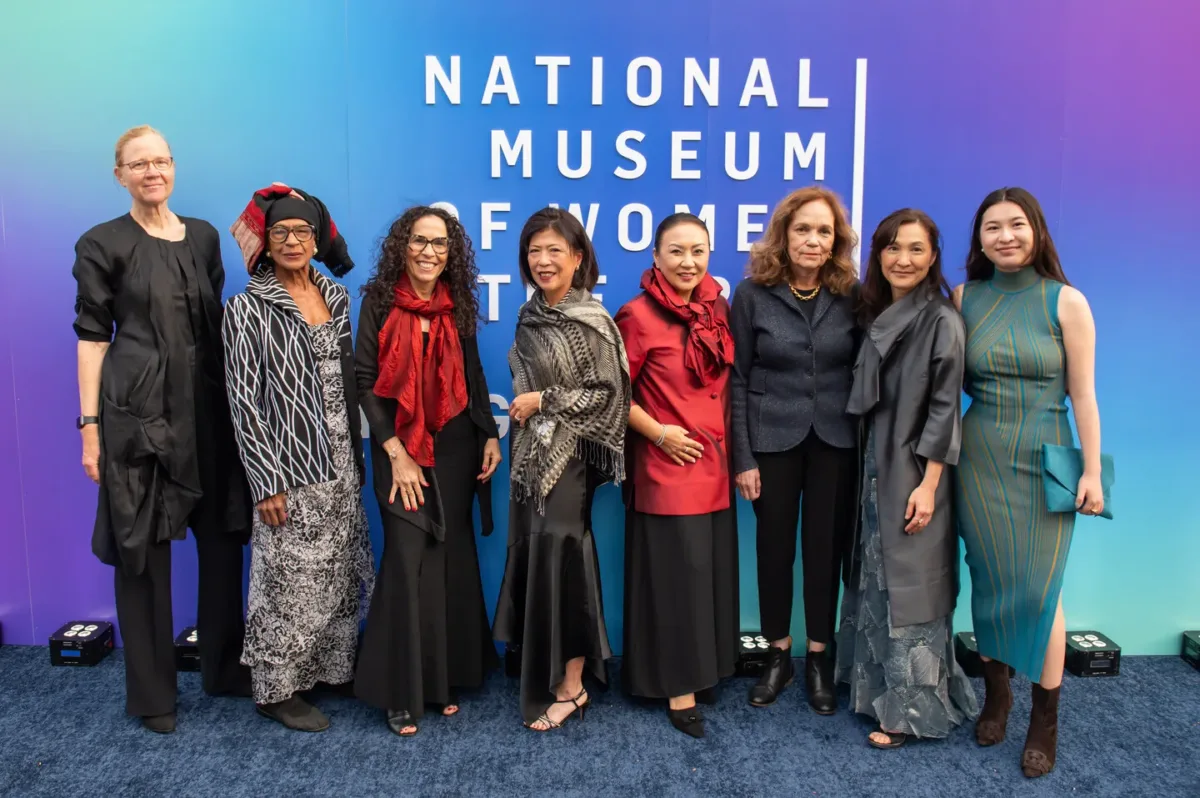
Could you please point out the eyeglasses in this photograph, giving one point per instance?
(159, 164)
(303, 232)
(418, 243)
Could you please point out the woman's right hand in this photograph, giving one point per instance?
(273, 510)
(678, 446)
(407, 480)
(91, 452)
(749, 485)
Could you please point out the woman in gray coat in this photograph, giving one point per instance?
(895, 644)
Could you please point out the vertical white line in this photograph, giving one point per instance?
(860, 147)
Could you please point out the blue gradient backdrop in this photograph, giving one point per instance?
(1088, 105)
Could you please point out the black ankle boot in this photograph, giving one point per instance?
(162, 724)
(777, 676)
(818, 678)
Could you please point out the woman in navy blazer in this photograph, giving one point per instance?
(795, 340)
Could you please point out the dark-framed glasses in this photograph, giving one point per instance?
(303, 233)
(140, 166)
(418, 243)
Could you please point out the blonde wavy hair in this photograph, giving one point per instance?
(769, 260)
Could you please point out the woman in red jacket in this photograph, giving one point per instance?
(681, 559)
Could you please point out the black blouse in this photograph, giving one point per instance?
(381, 418)
(158, 388)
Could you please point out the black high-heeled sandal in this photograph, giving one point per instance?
(552, 724)
(400, 719)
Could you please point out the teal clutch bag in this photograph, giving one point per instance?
(1062, 467)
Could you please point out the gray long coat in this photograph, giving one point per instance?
(908, 384)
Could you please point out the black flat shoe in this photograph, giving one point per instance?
(708, 696)
(160, 724)
(295, 713)
(818, 677)
(775, 678)
(895, 739)
(400, 719)
(689, 721)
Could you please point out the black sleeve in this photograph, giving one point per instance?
(216, 267)
(245, 387)
(741, 324)
(94, 291)
(477, 384)
(381, 418)
(941, 438)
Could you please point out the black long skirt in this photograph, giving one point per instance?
(550, 602)
(427, 632)
(681, 602)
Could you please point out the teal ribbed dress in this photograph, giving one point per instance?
(1016, 550)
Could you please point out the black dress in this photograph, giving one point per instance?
(168, 459)
(550, 601)
(427, 630)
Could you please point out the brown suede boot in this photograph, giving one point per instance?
(997, 703)
(1041, 743)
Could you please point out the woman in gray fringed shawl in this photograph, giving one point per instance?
(571, 406)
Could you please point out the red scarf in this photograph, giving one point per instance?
(431, 387)
(709, 347)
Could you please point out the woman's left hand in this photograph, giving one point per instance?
(1089, 495)
(920, 509)
(491, 459)
(524, 406)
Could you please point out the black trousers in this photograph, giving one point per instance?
(148, 632)
(812, 484)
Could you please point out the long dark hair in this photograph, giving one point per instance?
(461, 275)
(1045, 257)
(576, 237)
(876, 293)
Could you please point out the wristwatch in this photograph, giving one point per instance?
(83, 421)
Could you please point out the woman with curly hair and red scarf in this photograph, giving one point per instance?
(681, 557)
(434, 448)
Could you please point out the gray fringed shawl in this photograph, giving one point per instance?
(574, 355)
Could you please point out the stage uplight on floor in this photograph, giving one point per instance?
(753, 650)
(1191, 649)
(1092, 654)
(81, 643)
(187, 652)
(966, 651)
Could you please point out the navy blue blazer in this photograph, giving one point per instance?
(790, 376)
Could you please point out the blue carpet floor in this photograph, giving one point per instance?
(63, 732)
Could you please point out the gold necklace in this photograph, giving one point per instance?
(805, 296)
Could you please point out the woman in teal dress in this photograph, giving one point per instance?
(1030, 343)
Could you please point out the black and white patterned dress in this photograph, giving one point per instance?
(311, 578)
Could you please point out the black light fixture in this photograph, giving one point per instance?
(187, 651)
(966, 651)
(753, 651)
(1092, 654)
(81, 643)
(1190, 650)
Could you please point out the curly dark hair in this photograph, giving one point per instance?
(461, 275)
